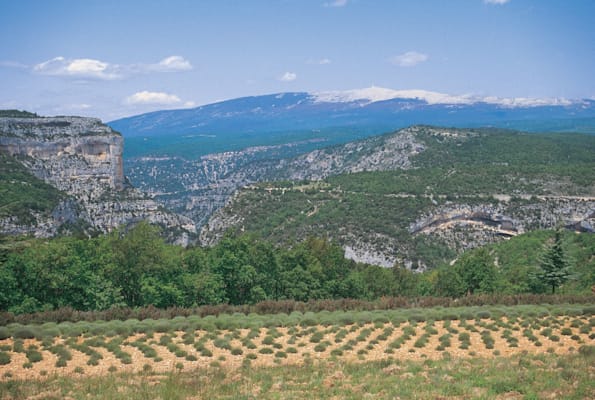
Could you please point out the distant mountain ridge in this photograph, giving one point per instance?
(386, 109)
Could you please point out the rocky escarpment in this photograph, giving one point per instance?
(381, 153)
(82, 158)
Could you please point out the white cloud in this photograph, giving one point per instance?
(96, 69)
(336, 3)
(79, 67)
(146, 97)
(189, 104)
(322, 61)
(288, 77)
(172, 63)
(499, 2)
(409, 59)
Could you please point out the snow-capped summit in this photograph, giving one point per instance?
(374, 94)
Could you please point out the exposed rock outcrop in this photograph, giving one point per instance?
(82, 157)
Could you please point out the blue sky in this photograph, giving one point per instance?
(117, 58)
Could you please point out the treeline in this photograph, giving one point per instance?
(136, 268)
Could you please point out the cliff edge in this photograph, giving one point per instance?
(82, 158)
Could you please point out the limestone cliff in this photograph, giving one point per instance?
(81, 157)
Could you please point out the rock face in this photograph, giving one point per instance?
(82, 157)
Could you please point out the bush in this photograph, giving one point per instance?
(320, 347)
(281, 354)
(316, 337)
(266, 350)
(483, 314)
(206, 352)
(4, 333)
(24, 333)
(34, 355)
(4, 358)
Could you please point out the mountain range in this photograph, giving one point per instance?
(373, 110)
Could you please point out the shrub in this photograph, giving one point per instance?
(180, 352)
(281, 354)
(236, 351)
(554, 338)
(206, 352)
(93, 361)
(266, 350)
(33, 355)
(4, 333)
(316, 337)
(483, 314)
(320, 347)
(4, 358)
(268, 340)
(417, 318)
(18, 346)
(25, 333)
(487, 339)
(421, 341)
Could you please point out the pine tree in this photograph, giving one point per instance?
(554, 266)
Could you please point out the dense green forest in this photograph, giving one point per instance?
(137, 268)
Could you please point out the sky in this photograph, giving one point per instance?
(116, 58)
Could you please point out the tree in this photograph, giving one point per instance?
(477, 271)
(554, 268)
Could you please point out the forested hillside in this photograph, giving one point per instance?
(461, 189)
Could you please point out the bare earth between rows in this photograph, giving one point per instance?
(296, 345)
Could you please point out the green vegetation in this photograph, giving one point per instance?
(22, 194)
(377, 208)
(138, 268)
(17, 114)
(554, 268)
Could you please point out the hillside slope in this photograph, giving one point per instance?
(421, 195)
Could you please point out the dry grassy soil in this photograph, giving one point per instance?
(88, 355)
